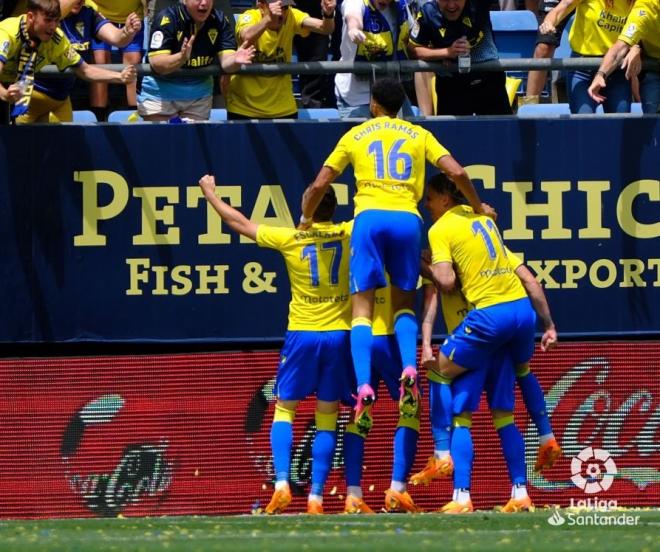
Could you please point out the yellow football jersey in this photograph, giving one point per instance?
(474, 245)
(118, 10)
(643, 25)
(317, 263)
(268, 96)
(597, 25)
(389, 160)
(454, 305)
(56, 51)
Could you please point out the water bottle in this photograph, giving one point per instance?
(464, 62)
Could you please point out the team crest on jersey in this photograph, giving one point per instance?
(156, 40)
(4, 49)
(165, 21)
(630, 30)
(80, 28)
(467, 22)
(443, 32)
(213, 35)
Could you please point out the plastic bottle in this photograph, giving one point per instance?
(464, 61)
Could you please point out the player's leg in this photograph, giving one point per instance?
(281, 438)
(361, 349)
(462, 452)
(323, 450)
(98, 91)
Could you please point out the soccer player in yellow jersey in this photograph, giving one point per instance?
(270, 28)
(595, 28)
(389, 157)
(640, 33)
(316, 352)
(31, 41)
(467, 247)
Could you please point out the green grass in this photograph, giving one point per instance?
(478, 531)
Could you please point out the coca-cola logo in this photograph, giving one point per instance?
(142, 469)
(625, 426)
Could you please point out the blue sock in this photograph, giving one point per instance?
(361, 340)
(532, 395)
(440, 407)
(353, 458)
(405, 448)
(462, 452)
(323, 451)
(281, 437)
(513, 448)
(405, 329)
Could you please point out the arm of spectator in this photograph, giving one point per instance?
(613, 58)
(95, 73)
(540, 304)
(251, 33)
(557, 15)
(354, 23)
(444, 276)
(325, 25)
(632, 63)
(236, 220)
(121, 37)
(314, 194)
(459, 47)
(231, 62)
(163, 64)
(65, 7)
(448, 165)
(429, 313)
(10, 94)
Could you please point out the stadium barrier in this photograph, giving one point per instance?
(189, 434)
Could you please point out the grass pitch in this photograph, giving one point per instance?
(383, 532)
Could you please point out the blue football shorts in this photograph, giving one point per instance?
(385, 241)
(314, 362)
(135, 45)
(497, 379)
(509, 326)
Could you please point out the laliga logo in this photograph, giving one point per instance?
(595, 480)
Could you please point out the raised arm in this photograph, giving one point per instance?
(557, 15)
(121, 37)
(540, 304)
(325, 25)
(236, 220)
(314, 194)
(448, 165)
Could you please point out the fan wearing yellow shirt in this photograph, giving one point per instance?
(389, 158)
(32, 41)
(467, 248)
(316, 356)
(270, 28)
(640, 33)
(596, 26)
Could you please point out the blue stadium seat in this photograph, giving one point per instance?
(514, 33)
(84, 116)
(636, 107)
(416, 111)
(544, 110)
(218, 115)
(320, 113)
(122, 116)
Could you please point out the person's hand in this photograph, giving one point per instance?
(356, 36)
(207, 184)
(133, 25)
(427, 354)
(632, 63)
(549, 340)
(14, 93)
(186, 49)
(596, 86)
(459, 47)
(128, 74)
(328, 7)
(426, 256)
(245, 53)
(275, 8)
(547, 27)
(489, 211)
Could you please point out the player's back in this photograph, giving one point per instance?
(473, 244)
(317, 264)
(389, 159)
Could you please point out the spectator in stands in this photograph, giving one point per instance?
(271, 28)
(641, 32)
(546, 44)
(117, 11)
(447, 29)
(596, 27)
(188, 35)
(50, 98)
(32, 41)
(374, 30)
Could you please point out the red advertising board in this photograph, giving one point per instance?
(189, 434)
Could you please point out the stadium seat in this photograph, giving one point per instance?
(84, 116)
(636, 107)
(416, 111)
(218, 115)
(514, 33)
(319, 114)
(124, 116)
(544, 110)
